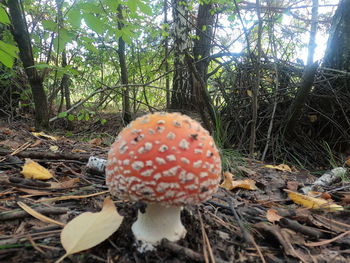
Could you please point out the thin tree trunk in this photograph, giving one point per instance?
(126, 114)
(21, 36)
(182, 92)
(166, 54)
(256, 85)
(313, 31)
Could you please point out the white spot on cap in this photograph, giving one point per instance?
(136, 131)
(177, 123)
(160, 129)
(157, 176)
(145, 120)
(149, 163)
(184, 144)
(191, 187)
(198, 151)
(209, 153)
(126, 172)
(163, 148)
(171, 157)
(171, 136)
(172, 171)
(131, 153)
(161, 122)
(147, 172)
(160, 160)
(185, 160)
(123, 147)
(203, 174)
(137, 165)
(197, 164)
(126, 162)
(151, 131)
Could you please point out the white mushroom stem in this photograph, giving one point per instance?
(159, 222)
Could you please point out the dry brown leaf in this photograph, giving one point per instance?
(36, 143)
(89, 229)
(65, 184)
(312, 202)
(37, 215)
(96, 141)
(33, 170)
(67, 197)
(280, 167)
(230, 184)
(44, 135)
(272, 215)
(292, 185)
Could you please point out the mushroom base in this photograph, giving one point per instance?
(159, 222)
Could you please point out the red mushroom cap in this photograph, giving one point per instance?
(165, 158)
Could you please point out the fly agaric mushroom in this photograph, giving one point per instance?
(166, 160)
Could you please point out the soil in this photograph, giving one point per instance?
(233, 226)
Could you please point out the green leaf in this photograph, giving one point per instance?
(74, 18)
(3, 16)
(94, 23)
(11, 50)
(49, 25)
(112, 4)
(62, 114)
(70, 117)
(103, 121)
(87, 116)
(204, 28)
(144, 8)
(132, 4)
(6, 59)
(80, 117)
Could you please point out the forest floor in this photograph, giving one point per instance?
(238, 225)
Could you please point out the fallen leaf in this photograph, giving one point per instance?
(272, 215)
(54, 148)
(44, 135)
(89, 229)
(96, 141)
(292, 185)
(36, 143)
(348, 161)
(37, 215)
(65, 184)
(312, 202)
(249, 93)
(230, 184)
(280, 167)
(323, 195)
(78, 151)
(67, 197)
(33, 170)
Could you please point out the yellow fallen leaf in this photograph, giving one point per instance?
(78, 151)
(37, 215)
(312, 202)
(280, 167)
(89, 229)
(230, 184)
(249, 93)
(33, 170)
(348, 161)
(44, 135)
(54, 148)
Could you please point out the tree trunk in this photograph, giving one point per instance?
(126, 114)
(21, 36)
(182, 93)
(337, 55)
